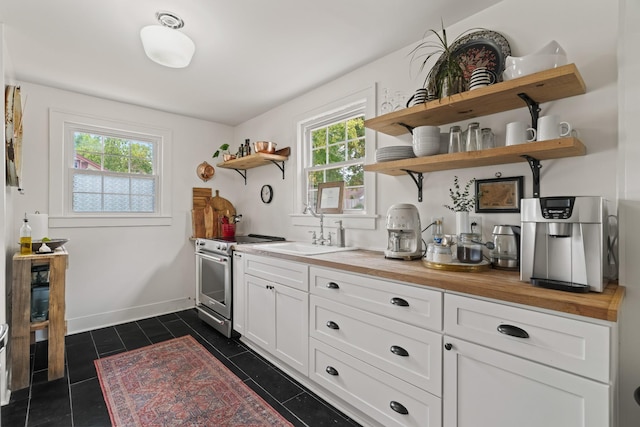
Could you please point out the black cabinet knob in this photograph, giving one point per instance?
(399, 302)
(513, 331)
(399, 351)
(333, 285)
(398, 407)
(332, 371)
(448, 346)
(332, 325)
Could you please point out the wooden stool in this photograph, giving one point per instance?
(21, 326)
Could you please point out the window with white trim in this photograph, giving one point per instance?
(107, 172)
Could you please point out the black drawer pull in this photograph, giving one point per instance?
(448, 346)
(399, 302)
(513, 331)
(333, 285)
(332, 371)
(399, 351)
(398, 407)
(332, 325)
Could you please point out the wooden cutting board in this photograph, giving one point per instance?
(207, 213)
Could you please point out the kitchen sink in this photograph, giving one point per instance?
(299, 248)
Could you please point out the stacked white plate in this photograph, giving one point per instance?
(426, 140)
(386, 154)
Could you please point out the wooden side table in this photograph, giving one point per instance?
(22, 327)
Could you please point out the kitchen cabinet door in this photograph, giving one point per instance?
(484, 387)
(259, 312)
(238, 293)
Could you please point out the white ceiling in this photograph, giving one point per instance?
(251, 55)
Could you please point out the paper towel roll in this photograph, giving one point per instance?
(39, 225)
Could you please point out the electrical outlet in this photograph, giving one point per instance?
(476, 224)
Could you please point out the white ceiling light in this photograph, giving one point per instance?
(166, 45)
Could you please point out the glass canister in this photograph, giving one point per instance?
(488, 139)
(473, 137)
(455, 139)
(469, 248)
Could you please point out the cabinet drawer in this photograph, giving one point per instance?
(568, 344)
(418, 306)
(276, 270)
(407, 352)
(372, 391)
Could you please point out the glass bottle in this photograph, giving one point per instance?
(25, 238)
(473, 136)
(455, 139)
(437, 232)
(488, 139)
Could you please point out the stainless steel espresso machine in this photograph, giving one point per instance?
(404, 233)
(564, 243)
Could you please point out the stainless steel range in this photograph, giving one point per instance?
(214, 269)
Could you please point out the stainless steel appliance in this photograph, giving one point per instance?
(404, 232)
(565, 243)
(214, 268)
(505, 254)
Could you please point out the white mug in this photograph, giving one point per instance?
(519, 133)
(550, 127)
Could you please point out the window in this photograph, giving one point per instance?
(112, 174)
(107, 173)
(337, 153)
(334, 145)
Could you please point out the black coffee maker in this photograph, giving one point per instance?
(506, 251)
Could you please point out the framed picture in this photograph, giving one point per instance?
(330, 197)
(499, 195)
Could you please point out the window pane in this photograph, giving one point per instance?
(86, 202)
(319, 138)
(355, 128)
(319, 157)
(143, 186)
(333, 175)
(337, 153)
(353, 175)
(117, 185)
(315, 178)
(87, 183)
(354, 198)
(356, 149)
(142, 158)
(337, 133)
(142, 203)
(116, 203)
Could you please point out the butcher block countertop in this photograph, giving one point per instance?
(495, 284)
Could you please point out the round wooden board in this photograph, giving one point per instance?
(483, 265)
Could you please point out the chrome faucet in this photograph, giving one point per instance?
(321, 240)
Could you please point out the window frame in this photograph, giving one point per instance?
(362, 101)
(62, 126)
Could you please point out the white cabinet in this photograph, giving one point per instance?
(507, 366)
(277, 315)
(371, 345)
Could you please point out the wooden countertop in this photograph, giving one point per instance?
(495, 284)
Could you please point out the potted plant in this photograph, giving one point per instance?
(463, 203)
(446, 77)
(224, 149)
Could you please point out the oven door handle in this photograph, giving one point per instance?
(221, 260)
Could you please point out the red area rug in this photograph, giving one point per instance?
(179, 383)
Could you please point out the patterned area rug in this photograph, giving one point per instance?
(179, 383)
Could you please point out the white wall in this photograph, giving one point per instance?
(629, 209)
(118, 274)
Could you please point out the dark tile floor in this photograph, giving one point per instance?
(76, 400)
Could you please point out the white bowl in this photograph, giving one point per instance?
(422, 131)
(426, 150)
(550, 56)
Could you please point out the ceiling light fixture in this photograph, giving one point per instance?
(166, 45)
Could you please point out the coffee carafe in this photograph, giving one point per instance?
(506, 251)
(404, 234)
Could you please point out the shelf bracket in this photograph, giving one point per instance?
(535, 166)
(534, 109)
(244, 175)
(280, 166)
(407, 127)
(417, 178)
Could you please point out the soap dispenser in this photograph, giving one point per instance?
(340, 235)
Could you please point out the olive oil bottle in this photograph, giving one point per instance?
(25, 238)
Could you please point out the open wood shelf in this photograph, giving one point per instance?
(548, 85)
(255, 160)
(542, 150)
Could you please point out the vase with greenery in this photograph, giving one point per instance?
(446, 77)
(224, 150)
(462, 203)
